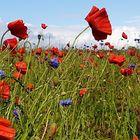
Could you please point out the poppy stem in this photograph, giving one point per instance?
(39, 39)
(17, 81)
(79, 35)
(102, 72)
(28, 42)
(1, 42)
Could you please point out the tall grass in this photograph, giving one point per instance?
(108, 111)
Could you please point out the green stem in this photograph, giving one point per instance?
(21, 84)
(30, 45)
(38, 43)
(102, 72)
(79, 35)
(1, 42)
(69, 52)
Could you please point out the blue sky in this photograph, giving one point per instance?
(69, 12)
(66, 18)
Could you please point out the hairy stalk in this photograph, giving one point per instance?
(1, 42)
(79, 35)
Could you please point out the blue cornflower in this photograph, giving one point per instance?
(2, 74)
(132, 66)
(17, 113)
(54, 63)
(65, 102)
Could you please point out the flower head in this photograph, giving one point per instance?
(29, 87)
(54, 63)
(94, 46)
(117, 59)
(17, 75)
(18, 29)
(38, 51)
(21, 67)
(132, 66)
(44, 26)
(83, 91)
(2, 74)
(126, 71)
(124, 35)
(17, 100)
(6, 132)
(22, 51)
(4, 90)
(135, 138)
(66, 102)
(12, 43)
(54, 50)
(132, 52)
(17, 113)
(99, 22)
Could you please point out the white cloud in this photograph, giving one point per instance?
(60, 35)
(64, 34)
(132, 33)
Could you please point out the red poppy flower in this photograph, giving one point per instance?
(80, 52)
(44, 26)
(18, 29)
(21, 51)
(82, 66)
(2, 48)
(83, 91)
(17, 100)
(38, 51)
(94, 46)
(6, 133)
(4, 90)
(107, 43)
(54, 50)
(60, 59)
(14, 52)
(99, 22)
(100, 55)
(138, 55)
(91, 60)
(21, 67)
(117, 59)
(126, 71)
(111, 47)
(29, 87)
(60, 54)
(135, 138)
(5, 122)
(17, 75)
(46, 52)
(124, 35)
(138, 72)
(132, 52)
(12, 43)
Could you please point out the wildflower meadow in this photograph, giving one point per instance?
(72, 93)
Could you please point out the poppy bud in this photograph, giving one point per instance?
(82, 91)
(44, 26)
(39, 36)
